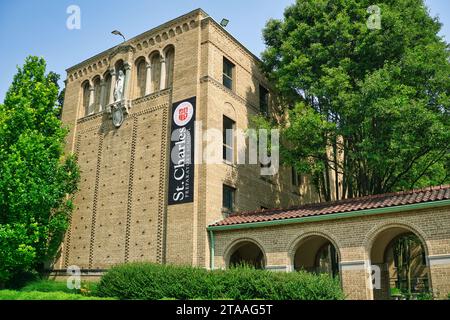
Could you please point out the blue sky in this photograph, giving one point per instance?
(32, 27)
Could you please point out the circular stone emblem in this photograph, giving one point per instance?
(117, 117)
(183, 114)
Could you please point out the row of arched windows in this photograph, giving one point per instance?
(149, 75)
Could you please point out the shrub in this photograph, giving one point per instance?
(141, 281)
(424, 296)
(153, 282)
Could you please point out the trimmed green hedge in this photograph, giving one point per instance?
(140, 281)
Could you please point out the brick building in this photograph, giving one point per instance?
(349, 238)
(122, 107)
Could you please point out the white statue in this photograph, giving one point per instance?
(118, 90)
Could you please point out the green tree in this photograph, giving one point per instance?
(408, 251)
(366, 107)
(36, 179)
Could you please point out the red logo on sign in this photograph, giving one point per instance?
(183, 114)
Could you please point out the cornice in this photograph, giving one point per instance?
(231, 38)
(134, 103)
(147, 39)
(151, 97)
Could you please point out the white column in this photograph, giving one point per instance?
(91, 107)
(102, 95)
(113, 83)
(148, 79)
(127, 67)
(163, 74)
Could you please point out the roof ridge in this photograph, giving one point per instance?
(418, 198)
(338, 202)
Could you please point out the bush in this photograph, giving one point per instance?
(141, 281)
(424, 296)
(153, 282)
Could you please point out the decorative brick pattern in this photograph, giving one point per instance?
(130, 189)
(162, 188)
(66, 246)
(121, 210)
(95, 202)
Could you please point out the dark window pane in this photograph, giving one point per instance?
(228, 82)
(228, 71)
(295, 177)
(263, 100)
(228, 154)
(228, 68)
(228, 198)
(228, 135)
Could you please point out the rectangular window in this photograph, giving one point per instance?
(228, 73)
(229, 195)
(228, 139)
(296, 178)
(263, 100)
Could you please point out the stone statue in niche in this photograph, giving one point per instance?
(119, 108)
(118, 89)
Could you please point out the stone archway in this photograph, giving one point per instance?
(398, 258)
(248, 253)
(316, 254)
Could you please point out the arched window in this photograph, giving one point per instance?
(317, 254)
(170, 63)
(156, 72)
(248, 254)
(400, 256)
(327, 260)
(141, 72)
(86, 95)
(97, 94)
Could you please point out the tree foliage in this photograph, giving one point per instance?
(36, 180)
(368, 108)
(408, 251)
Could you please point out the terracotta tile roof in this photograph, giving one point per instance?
(343, 206)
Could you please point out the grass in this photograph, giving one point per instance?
(52, 290)
(35, 295)
(48, 286)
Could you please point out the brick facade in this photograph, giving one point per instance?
(122, 212)
(356, 239)
(121, 209)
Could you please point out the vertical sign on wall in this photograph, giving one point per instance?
(181, 171)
